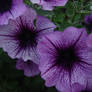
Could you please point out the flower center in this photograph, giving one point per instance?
(26, 37)
(67, 57)
(5, 5)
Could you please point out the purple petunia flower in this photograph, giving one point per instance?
(65, 58)
(30, 68)
(10, 9)
(20, 37)
(49, 4)
(88, 22)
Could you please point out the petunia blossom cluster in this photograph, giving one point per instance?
(64, 59)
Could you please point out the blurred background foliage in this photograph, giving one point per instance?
(13, 80)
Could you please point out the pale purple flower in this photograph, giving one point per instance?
(88, 21)
(20, 37)
(10, 9)
(65, 58)
(49, 4)
(30, 68)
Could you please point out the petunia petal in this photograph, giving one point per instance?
(17, 9)
(30, 68)
(55, 3)
(89, 84)
(49, 5)
(47, 46)
(35, 1)
(76, 76)
(26, 18)
(75, 36)
(76, 87)
(63, 81)
(48, 73)
(43, 23)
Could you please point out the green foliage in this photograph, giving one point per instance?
(12, 80)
